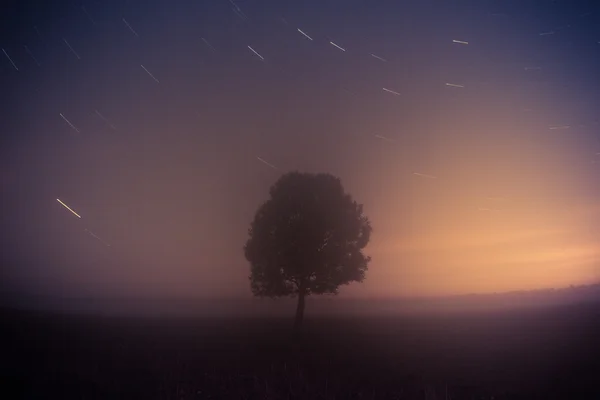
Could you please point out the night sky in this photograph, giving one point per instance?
(468, 129)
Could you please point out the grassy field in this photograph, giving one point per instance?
(549, 353)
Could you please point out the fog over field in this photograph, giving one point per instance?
(317, 306)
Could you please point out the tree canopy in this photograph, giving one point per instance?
(307, 238)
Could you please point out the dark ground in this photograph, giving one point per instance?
(551, 353)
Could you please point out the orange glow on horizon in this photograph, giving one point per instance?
(523, 219)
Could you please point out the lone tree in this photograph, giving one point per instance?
(307, 239)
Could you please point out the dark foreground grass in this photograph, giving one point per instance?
(545, 354)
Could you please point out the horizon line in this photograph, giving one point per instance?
(322, 296)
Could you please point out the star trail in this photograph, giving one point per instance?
(150, 118)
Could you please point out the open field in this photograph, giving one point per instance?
(549, 353)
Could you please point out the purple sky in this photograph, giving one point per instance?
(171, 109)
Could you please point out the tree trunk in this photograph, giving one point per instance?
(299, 310)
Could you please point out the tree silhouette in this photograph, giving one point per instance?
(307, 239)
